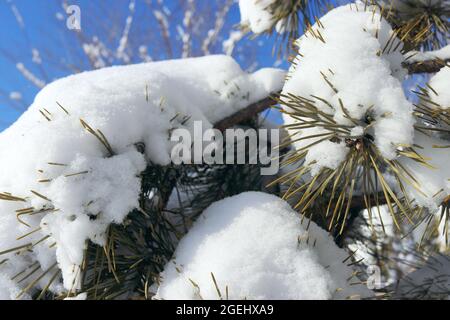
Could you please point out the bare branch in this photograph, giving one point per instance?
(246, 113)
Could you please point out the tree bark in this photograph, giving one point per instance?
(247, 113)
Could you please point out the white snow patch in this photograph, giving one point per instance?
(325, 155)
(434, 183)
(56, 165)
(256, 246)
(418, 56)
(9, 289)
(440, 83)
(367, 81)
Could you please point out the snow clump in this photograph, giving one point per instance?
(254, 246)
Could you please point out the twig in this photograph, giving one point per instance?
(247, 113)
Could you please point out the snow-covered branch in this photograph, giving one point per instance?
(426, 66)
(428, 61)
(440, 54)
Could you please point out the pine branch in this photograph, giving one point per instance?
(358, 202)
(426, 66)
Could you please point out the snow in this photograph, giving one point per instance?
(348, 68)
(8, 289)
(163, 22)
(97, 53)
(376, 224)
(440, 83)
(434, 181)
(256, 14)
(328, 155)
(76, 185)
(256, 247)
(81, 296)
(36, 56)
(14, 95)
(229, 44)
(143, 54)
(120, 52)
(213, 34)
(17, 15)
(417, 56)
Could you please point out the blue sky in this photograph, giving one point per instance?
(44, 31)
(60, 46)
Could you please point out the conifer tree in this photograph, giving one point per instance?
(363, 179)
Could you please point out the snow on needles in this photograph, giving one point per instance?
(74, 185)
(256, 247)
(440, 83)
(256, 14)
(417, 56)
(434, 180)
(348, 64)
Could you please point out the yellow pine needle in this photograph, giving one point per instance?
(216, 286)
(20, 220)
(28, 245)
(40, 195)
(62, 108)
(49, 283)
(29, 233)
(41, 240)
(349, 200)
(29, 274)
(57, 164)
(76, 174)
(45, 116)
(99, 135)
(35, 281)
(8, 197)
(387, 192)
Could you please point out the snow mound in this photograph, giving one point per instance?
(71, 159)
(254, 246)
(350, 66)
